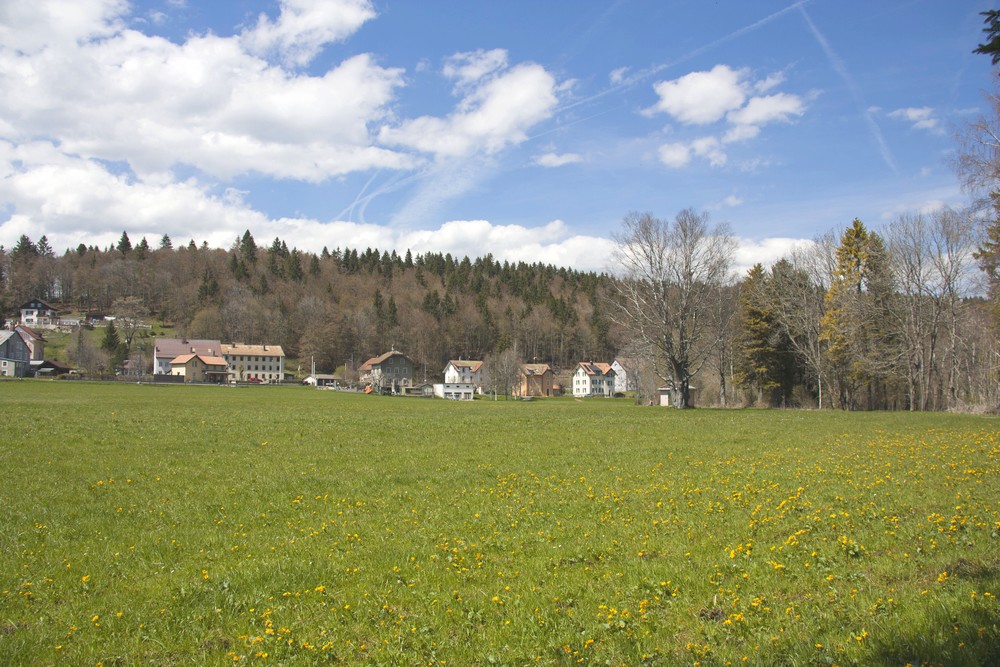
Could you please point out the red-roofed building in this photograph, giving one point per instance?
(200, 368)
(165, 350)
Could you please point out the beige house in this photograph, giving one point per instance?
(165, 350)
(535, 380)
(199, 368)
(254, 363)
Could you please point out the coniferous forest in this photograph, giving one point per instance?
(337, 308)
(902, 319)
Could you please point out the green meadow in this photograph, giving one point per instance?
(178, 525)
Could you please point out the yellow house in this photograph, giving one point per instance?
(200, 368)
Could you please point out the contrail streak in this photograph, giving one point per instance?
(656, 69)
(838, 65)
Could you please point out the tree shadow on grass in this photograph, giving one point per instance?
(966, 635)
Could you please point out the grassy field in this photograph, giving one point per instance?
(174, 525)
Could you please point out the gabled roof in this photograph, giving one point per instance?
(592, 368)
(168, 348)
(473, 366)
(206, 359)
(37, 304)
(256, 350)
(6, 335)
(21, 329)
(535, 369)
(375, 361)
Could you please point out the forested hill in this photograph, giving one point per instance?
(334, 306)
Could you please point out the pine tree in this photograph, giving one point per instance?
(124, 245)
(25, 249)
(142, 250)
(756, 358)
(857, 324)
(43, 247)
(248, 248)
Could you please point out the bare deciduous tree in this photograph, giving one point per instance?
(671, 275)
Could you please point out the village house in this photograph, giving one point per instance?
(200, 368)
(165, 350)
(34, 340)
(390, 372)
(249, 363)
(37, 313)
(625, 375)
(593, 379)
(456, 391)
(534, 380)
(15, 357)
(461, 371)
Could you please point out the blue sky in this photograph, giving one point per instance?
(526, 129)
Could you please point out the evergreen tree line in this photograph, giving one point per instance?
(873, 321)
(905, 319)
(337, 307)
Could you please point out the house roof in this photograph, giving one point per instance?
(535, 369)
(6, 335)
(375, 361)
(256, 350)
(598, 368)
(36, 304)
(168, 348)
(41, 364)
(21, 329)
(473, 366)
(206, 359)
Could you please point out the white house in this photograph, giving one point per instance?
(458, 391)
(625, 375)
(265, 363)
(37, 313)
(593, 379)
(459, 371)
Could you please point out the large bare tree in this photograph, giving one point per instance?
(670, 276)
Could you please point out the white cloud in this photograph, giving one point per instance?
(721, 94)
(921, 118)
(765, 251)
(763, 110)
(709, 148)
(304, 27)
(31, 25)
(700, 98)
(769, 82)
(558, 160)
(552, 243)
(205, 102)
(469, 68)
(617, 76)
(494, 115)
(675, 154)
(733, 201)
(78, 201)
